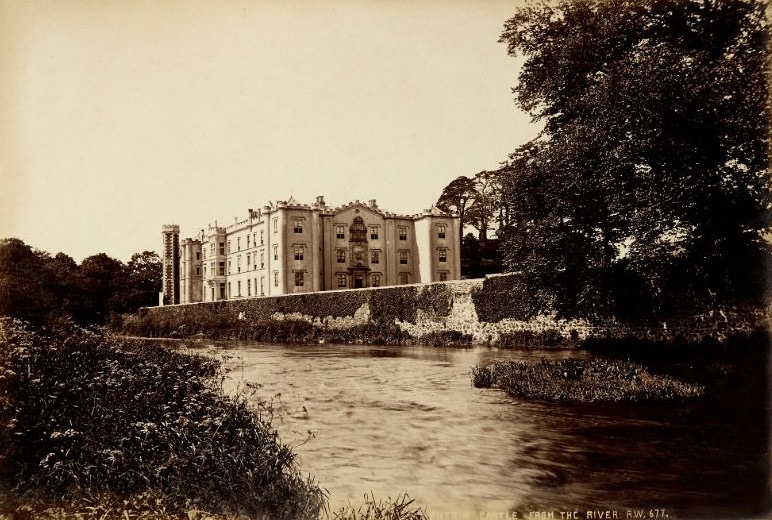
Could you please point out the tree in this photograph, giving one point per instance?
(103, 276)
(22, 284)
(457, 197)
(142, 282)
(649, 187)
(484, 211)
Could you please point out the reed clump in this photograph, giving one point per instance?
(583, 381)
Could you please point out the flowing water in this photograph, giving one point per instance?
(388, 420)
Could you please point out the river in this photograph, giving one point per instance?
(388, 420)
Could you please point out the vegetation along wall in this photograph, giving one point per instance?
(496, 310)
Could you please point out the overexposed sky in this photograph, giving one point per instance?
(119, 116)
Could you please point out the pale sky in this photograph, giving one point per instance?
(119, 116)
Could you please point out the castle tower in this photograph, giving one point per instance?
(171, 264)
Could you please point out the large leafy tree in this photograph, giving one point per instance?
(457, 197)
(649, 187)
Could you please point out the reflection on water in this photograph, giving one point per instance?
(396, 419)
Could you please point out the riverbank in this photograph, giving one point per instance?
(105, 427)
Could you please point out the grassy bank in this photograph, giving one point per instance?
(100, 427)
(582, 380)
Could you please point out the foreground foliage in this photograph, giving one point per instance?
(582, 380)
(401, 508)
(123, 425)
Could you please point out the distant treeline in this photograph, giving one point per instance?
(38, 287)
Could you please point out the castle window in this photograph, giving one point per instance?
(198, 255)
(373, 232)
(238, 264)
(238, 290)
(221, 268)
(376, 280)
(275, 224)
(443, 255)
(238, 244)
(248, 259)
(299, 252)
(248, 237)
(275, 252)
(441, 231)
(341, 280)
(403, 257)
(229, 267)
(222, 248)
(276, 278)
(262, 286)
(341, 256)
(229, 247)
(298, 278)
(262, 260)
(340, 231)
(262, 235)
(198, 271)
(443, 276)
(229, 289)
(404, 278)
(298, 227)
(249, 287)
(375, 256)
(402, 233)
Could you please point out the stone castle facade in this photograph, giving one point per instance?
(288, 247)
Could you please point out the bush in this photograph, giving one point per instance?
(90, 416)
(446, 338)
(400, 508)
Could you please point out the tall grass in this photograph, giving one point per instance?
(583, 381)
(94, 421)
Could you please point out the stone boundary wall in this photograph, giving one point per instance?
(444, 306)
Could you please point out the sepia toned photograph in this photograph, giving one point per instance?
(385, 260)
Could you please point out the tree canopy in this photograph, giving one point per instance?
(649, 188)
(37, 287)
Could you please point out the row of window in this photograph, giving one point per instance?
(342, 279)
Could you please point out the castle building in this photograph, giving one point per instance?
(288, 247)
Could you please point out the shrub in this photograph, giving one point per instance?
(506, 296)
(446, 338)
(481, 377)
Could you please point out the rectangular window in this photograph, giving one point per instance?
(222, 248)
(340, 231)
(262, 260)
(376, 280)
(443, 276)
(403, 257)
(373, 232)
(441, 231)
(229, 267)
(211, 248)
(262, 286)
(238, 290)
(249, 287)
(198, 255)
(229, 247)
(221, 268)
(341, 280)
(443, 255)
(204, 251)
(262, 234)
(298, 278)
(248, 237)
(238, 264)
(299, 252)
(238, 243)
(298, 225)
(198, 271)
(375, 256)
(276, 278)
(248, 259)
(402, 233)
(403, 278)
(275, 252)
(229, 289)
(341, 256)
(275, 224)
